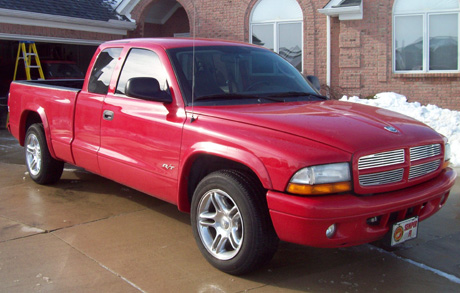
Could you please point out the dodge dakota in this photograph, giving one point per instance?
(234, 135)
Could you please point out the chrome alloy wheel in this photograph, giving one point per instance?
(33, 154)
(220, 224)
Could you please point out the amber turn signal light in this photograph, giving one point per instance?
(318, 189)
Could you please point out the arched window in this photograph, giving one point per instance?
(425, 34)
(277, 25)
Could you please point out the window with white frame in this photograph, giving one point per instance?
(425, 36)
(277, 25)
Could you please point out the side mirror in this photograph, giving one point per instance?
(146, 88)
(314, 82)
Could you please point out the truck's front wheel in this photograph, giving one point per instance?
(231, 224)
(42, 167)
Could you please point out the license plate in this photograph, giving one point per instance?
(404, 230)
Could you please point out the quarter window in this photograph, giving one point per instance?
(426, 36)
(101, 74)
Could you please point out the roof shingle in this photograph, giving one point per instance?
(86, 9)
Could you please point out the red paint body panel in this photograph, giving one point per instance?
(273, 155)
(333, 123)
(151, 146)
(143, 136)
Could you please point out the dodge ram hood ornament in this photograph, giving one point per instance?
(391, 129)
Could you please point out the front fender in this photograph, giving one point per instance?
(239, 156)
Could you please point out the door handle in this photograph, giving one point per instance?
(108, 115)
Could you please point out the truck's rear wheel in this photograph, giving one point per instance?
(42, 168)
(231, 224)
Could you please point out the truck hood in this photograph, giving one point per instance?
(348, 126)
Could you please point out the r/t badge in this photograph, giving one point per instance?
(168, 167)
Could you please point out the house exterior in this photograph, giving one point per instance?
(355, 47)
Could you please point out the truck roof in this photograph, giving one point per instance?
(169, 43)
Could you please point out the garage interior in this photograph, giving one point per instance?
(75, 54)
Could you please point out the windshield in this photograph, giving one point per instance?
(229, 75)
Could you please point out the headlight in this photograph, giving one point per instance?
(447, 153)
(321, 179)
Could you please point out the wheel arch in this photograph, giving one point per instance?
(30, 117)
(203, 162)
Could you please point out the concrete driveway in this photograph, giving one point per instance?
(89, 234)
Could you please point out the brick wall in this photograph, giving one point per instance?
(366, 65)
(361, 50)
(178, 23)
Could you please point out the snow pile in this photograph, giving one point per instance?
(444, 121)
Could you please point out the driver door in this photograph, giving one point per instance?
(140, 139)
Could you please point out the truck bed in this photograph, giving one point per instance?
(68, 84)
(58, 97)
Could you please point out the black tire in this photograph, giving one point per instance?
(232, 203)
(42, 167)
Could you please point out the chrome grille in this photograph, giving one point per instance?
(381, 159)
(424, 151)
(423, 169)
(381, 178)
(391, 167)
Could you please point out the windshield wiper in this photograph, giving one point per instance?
(274, 97)
(225, 97)
(234, 96)
(296, 94)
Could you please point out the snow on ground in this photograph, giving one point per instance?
(444, 121)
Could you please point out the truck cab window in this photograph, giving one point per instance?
(102, 71)
(141, 63)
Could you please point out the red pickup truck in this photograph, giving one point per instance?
(237, 137)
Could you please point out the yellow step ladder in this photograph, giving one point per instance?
(30, 57)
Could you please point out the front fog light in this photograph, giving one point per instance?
(330, 232)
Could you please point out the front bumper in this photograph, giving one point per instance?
(304, 220)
